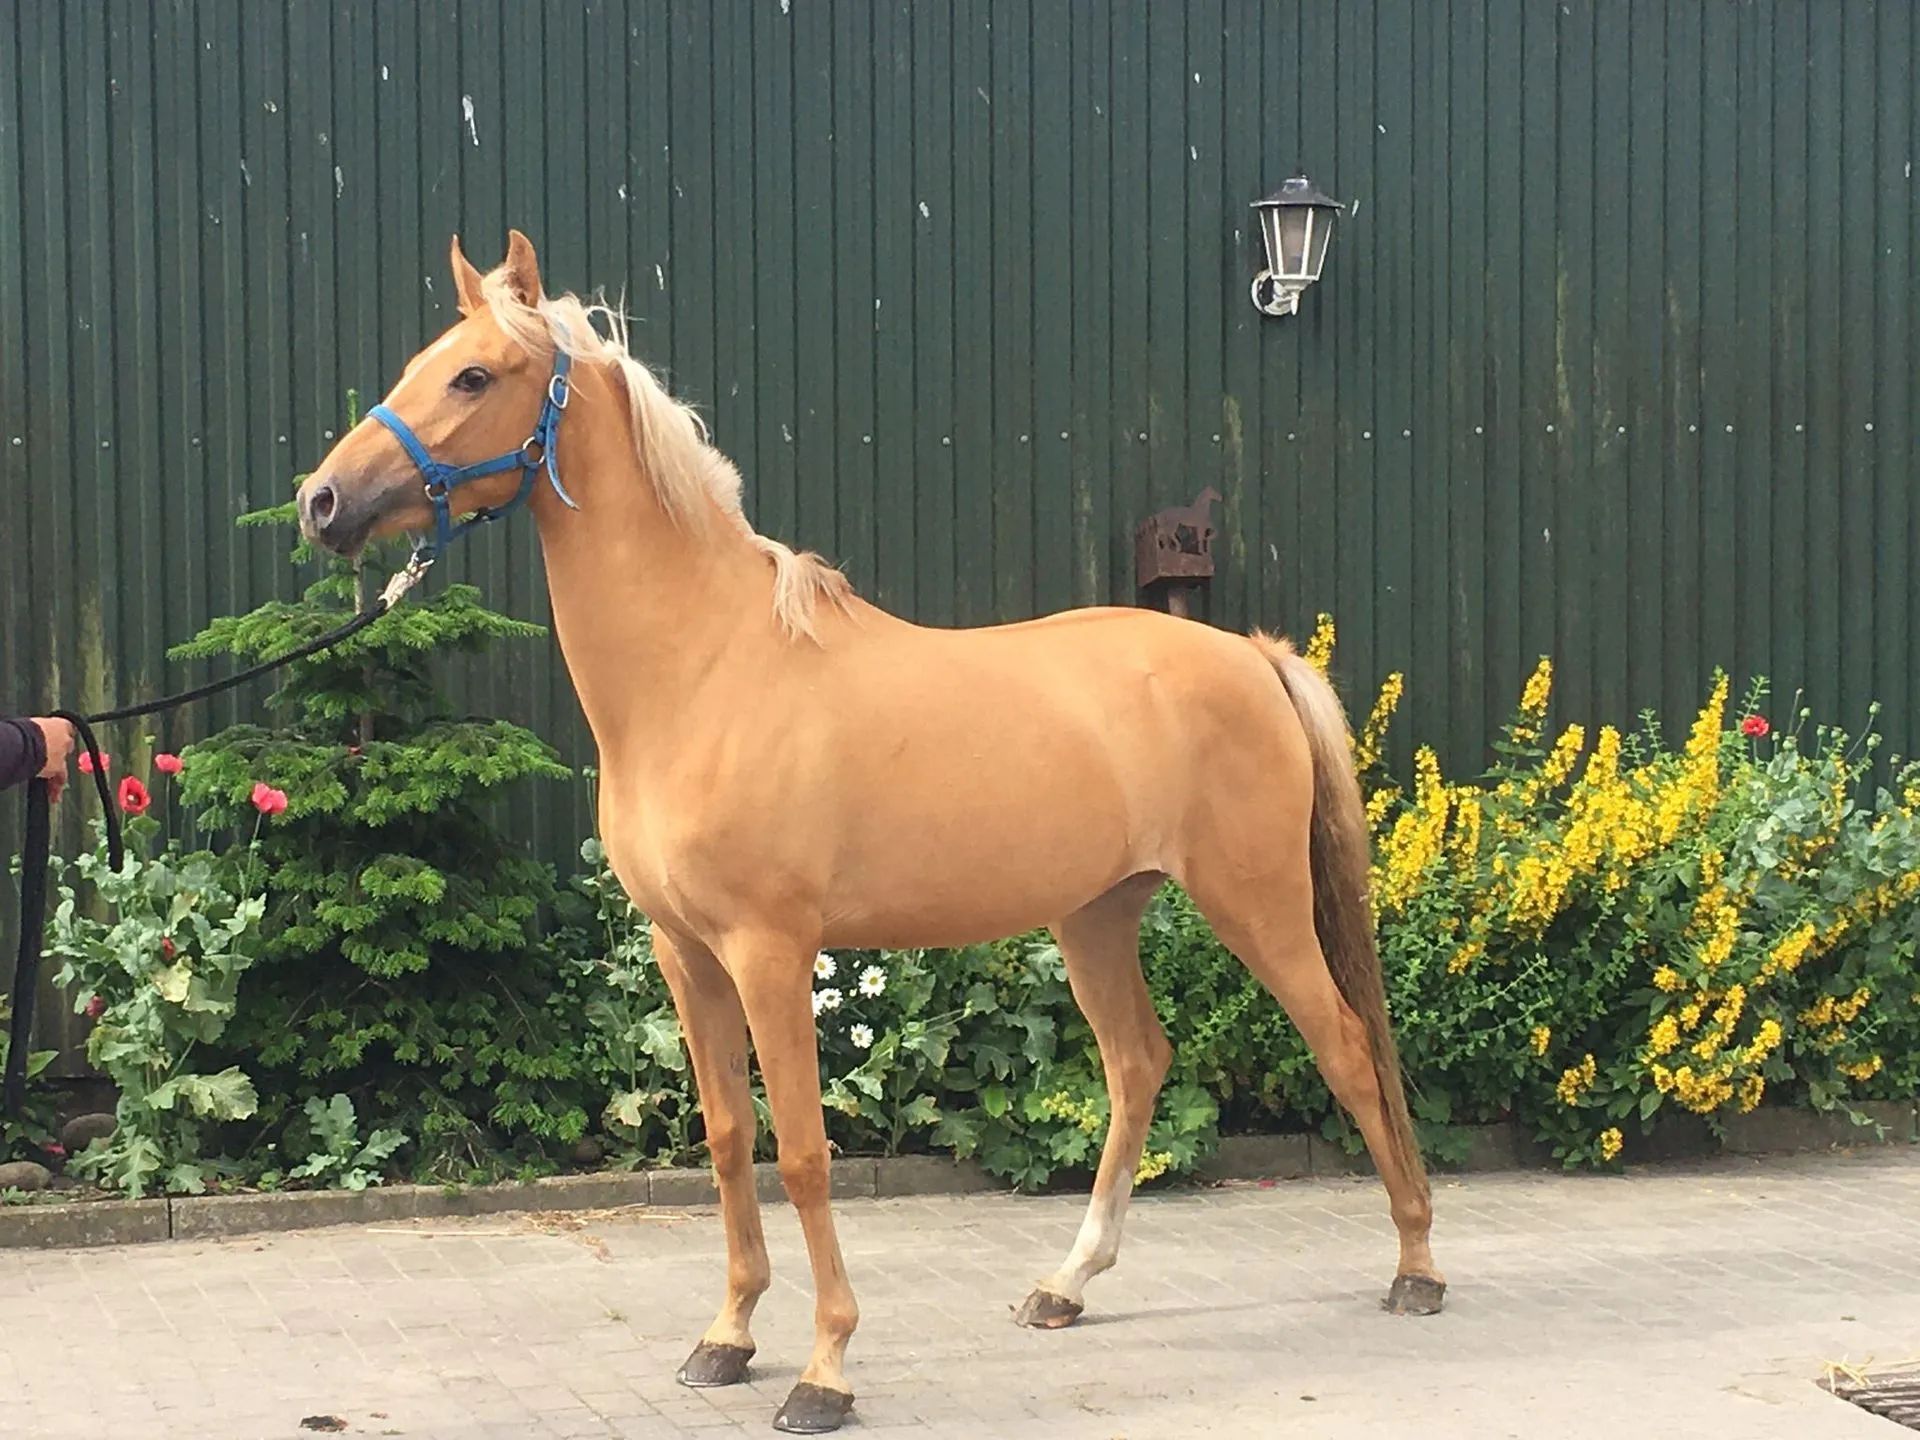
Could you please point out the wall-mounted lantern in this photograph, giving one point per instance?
(1296, 221)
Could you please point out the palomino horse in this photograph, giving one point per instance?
(786, 768)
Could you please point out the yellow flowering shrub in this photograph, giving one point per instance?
(1589, 934)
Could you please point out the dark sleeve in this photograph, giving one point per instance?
(23, 750)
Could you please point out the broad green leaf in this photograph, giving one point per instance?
(228, 1095)
(173, 981)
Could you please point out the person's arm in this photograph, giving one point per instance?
(35, 747)
(23, 750)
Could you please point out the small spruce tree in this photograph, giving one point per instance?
(401, 959)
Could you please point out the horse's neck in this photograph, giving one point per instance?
(642, 607)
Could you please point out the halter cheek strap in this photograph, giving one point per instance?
(441, 479)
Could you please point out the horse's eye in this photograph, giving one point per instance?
(472, 380)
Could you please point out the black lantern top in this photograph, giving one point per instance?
(1298, 190)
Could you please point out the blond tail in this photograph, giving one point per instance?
(1341, 862)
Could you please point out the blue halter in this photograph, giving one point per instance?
(441, 479)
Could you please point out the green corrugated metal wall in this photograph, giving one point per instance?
(1615, 358)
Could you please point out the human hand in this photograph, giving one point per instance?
(59, 738)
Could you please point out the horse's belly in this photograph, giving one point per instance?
(975, 858)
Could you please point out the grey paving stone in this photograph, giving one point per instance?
(1706, 1295)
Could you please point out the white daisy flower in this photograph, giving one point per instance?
(862, 1036)
(826, 1000)
(873, 980)
(824, 966)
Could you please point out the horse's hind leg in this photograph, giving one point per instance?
(1269, 925)
(1101, 944)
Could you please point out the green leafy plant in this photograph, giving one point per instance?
(160, 979)
(25, 1135)
(631, 1046)
(337, 1157)
(402, 962)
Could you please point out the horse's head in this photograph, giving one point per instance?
(471, 395)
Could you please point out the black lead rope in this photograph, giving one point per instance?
(39, 834)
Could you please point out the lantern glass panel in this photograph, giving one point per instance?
(1320, 233)
(1293, 240)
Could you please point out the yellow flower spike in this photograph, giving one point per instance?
(1576, 1080)
(1416, 839)
(1664, 1035)
(1320, 647)
(1668, 979)
(1566, 750)
(1542, 1037)
(1603, 766)
(1153, 1164)
(1366, 746)
(1751, 1089)
(1765, 1042)
(1662, 1078)
(1539, 689)
(1788, 954)
(1712, 866)
(1465, 956)
(1611, 1142)
(1865, 1070)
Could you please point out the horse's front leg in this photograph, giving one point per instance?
(716, 1034)
(775, 978)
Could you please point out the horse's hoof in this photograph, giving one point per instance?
(1415, 1295)
(1044, 1310)
(711, 1365)
(813, 1410)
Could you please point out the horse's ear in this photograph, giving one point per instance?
(466, 281)
(523, 269)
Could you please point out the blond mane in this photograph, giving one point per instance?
(692, 479)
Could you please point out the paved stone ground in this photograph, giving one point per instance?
(1688, 1301)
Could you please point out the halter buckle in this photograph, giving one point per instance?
(559, 391)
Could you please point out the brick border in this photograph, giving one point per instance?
(1240, 1157)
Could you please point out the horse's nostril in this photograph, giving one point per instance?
(321, 504)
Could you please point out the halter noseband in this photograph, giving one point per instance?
(441, 479)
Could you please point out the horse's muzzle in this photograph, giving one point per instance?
(331, 518)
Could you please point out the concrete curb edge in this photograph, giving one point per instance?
(1240, 1157)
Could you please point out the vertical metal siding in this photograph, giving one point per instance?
(1614, 358)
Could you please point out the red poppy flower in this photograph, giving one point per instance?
(167, 947)
(267, 800)
(1755, 727)
(96, 1007)
(168, 764)
(86, 762)
(134, 798)
(55, 1149)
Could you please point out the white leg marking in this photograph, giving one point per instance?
(1096, 1247)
